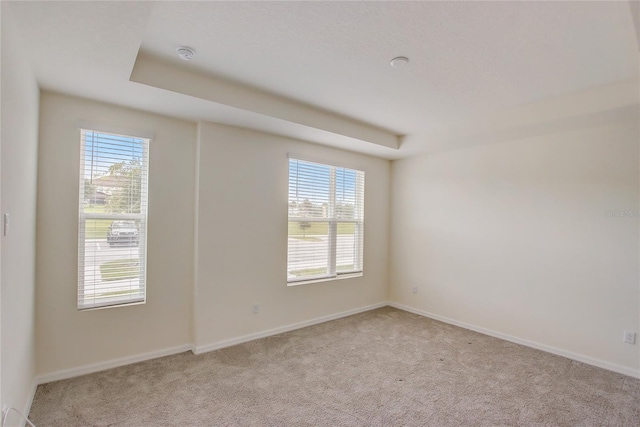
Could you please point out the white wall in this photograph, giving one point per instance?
(68, 338)
(513, 237)
(242, 238)
(19, 138)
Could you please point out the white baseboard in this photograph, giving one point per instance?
(282, 329)
(27, 406)
(113, 363)
(549, 349)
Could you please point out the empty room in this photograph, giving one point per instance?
(311, 213)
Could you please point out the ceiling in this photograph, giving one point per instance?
(319, 71)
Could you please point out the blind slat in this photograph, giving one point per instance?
(326, 221)
(112, 220)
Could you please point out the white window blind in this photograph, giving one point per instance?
(326, 221)
(112, 219)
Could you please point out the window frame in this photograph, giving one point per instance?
(332, 220)
(142, 217)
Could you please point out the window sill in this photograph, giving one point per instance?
(325, 279)
(114, 303)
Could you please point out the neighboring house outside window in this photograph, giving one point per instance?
(112, 226)
(326, 222)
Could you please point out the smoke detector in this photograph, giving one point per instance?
(185, 53)
(399, 61)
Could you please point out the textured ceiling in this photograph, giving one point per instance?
(465, 57)
(468, 60)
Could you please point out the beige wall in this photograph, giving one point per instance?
(19, 138)
(513, 237)
(241, 201)
(242, 238)
(68, 338)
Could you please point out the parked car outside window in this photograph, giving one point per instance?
(123, 232)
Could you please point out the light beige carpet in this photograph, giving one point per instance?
(381, 368)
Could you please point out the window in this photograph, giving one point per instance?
(326, 222)
(112, 219)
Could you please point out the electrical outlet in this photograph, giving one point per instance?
(256, 308)
(414, 290)
(629, 337)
